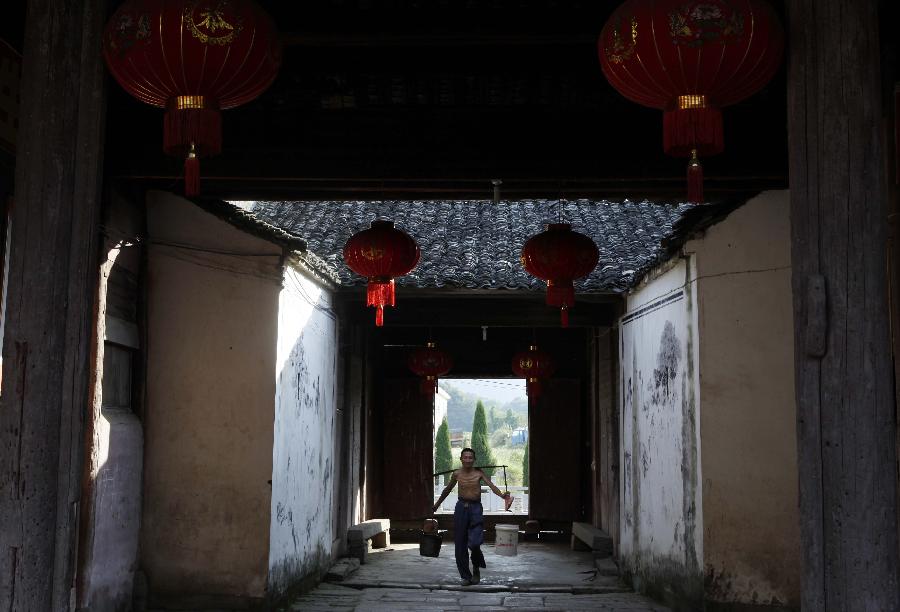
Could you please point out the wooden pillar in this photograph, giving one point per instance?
(50, 301)
(844, 383)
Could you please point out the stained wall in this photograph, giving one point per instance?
(305, 461)
(709, 459)
(212, 323)
(661, 545)
(751, 538)
(110, 512)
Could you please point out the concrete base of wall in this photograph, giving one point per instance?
(679, 593)
(717, 606)
(205, 602)
(680, 602)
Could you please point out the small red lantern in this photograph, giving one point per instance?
(559, 255)
(690, 58)
(429, 362)
(381, 253)
(193, 58)
(534, 366)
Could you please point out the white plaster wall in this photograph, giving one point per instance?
(750, 505)
(441, 398)
(212, 311)
(305, 464)
(116, 494)
(111, 508)
(661, 524)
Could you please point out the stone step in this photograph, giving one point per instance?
(342, 569)
(598, 540)
(606, 566)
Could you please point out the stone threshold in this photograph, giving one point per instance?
(486, 588)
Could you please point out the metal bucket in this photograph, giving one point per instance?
(430, 544)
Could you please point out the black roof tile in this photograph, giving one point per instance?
(476, 244)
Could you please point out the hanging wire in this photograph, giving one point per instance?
(379, 204)
(562, 201)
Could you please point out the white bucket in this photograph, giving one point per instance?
(507, 540)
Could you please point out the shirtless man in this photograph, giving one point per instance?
(468, 520)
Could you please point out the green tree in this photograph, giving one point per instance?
(443, 456)
(511, 419)
(480, 443)
(525, 467)
(492, 423)
(500, 438)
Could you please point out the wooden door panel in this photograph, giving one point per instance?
(408, 450)
(555, 440)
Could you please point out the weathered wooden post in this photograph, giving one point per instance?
(844, 383)
(50, 300)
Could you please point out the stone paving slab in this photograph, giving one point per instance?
(328, 599)
(537, 565)
(543, 577)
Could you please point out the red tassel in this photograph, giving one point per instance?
(695, 180)
(390, 294)
(186, 127)
(191, 175)
(564, 316)
(685, 129)
(560, 293)
(428, 386)
(380, 293)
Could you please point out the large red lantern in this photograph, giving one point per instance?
(429, 363)
(381, 253)
(690, 58)
(559, 255)
(534, 366)
(193, 58)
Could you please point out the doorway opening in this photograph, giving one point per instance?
(489, 415)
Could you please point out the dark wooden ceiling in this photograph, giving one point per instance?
(433, 98)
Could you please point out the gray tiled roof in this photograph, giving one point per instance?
(476, 244)
(246, 221)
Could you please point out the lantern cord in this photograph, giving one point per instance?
(192, 173)
(695, 179)
(559, 203)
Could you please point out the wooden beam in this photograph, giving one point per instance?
(274, 187)
(845, 405)
(448, 311)
(52, 276)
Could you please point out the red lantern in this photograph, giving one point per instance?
(559, 256)
(381, 253)
(534, 366)
(690, 58)
(429, 363)
(193, 58)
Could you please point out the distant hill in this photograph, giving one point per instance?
(461, 407)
